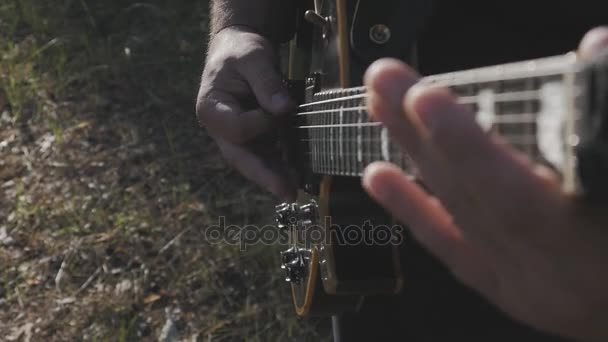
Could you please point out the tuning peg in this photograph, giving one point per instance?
(308, 214)
(288, 256)
(295, 273)
(286, 215)
(315, 18)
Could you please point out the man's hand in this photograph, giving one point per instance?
(240, 96)
(498, 221)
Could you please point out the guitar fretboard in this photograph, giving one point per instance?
(529, 104)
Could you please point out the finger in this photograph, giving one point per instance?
(224, 118)
(266, 82)
(594, 42)
(255, 169)
(428, 221)
(489, 173)
(388, 80)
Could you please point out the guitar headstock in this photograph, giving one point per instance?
(344, 37)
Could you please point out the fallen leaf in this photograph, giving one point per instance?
(66, 301)
(152, 298)
(33, 282)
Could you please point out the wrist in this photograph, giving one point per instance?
(272, 19)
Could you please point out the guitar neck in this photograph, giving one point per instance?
(532, 105)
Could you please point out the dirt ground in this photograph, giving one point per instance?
(107, 184)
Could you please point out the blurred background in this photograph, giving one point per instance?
(107, 184)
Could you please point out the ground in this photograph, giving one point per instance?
(107, 184)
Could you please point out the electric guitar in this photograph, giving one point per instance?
(553, 109)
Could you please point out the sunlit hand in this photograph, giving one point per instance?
(241, 94)
(499, 222)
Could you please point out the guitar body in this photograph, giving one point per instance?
(347, 265)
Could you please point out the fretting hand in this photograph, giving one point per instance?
(499, 222)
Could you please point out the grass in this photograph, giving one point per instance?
(107, 184)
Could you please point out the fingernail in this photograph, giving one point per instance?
(281, 101)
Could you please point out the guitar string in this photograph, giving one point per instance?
(526, 70)
(458, 80)
(323, 160)
(498, 119)
(512, 96)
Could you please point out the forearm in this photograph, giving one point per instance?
(275, 19)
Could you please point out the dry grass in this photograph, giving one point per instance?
(107, 184)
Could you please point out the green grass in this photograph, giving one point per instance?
(106, 179)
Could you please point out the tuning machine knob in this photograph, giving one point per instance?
(295, 264)
(289, 256)
(286, 215)
(292, 215)
(295, 274)
(308, 214)
(316, 19)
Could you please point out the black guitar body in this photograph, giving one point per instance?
(391, 293)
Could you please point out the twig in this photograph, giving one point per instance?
(19, 299)
(64, 264)
(89, 281)
(172, 242)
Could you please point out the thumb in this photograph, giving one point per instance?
(266, 83)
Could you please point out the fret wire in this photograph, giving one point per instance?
(321, 145)
(325, 144)
(336, 129)
(330, 141)
(311, 121)
(360, 116)
(319, 135)
(317, 120)
(367, 151)
(351, 136)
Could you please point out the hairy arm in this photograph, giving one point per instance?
(273, 19)
(242, 91)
